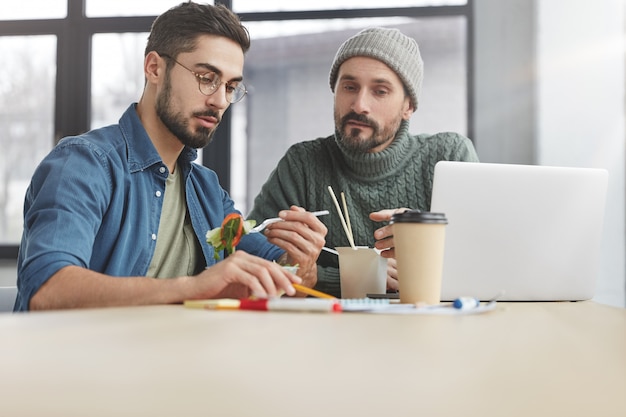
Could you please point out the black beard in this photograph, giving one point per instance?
(177, 124)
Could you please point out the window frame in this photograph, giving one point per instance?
(74, 35)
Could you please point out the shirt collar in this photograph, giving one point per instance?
(141, 152)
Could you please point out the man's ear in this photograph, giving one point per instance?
(153, 67)
(408, 108)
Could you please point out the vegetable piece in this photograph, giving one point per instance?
(228, 236)
(232, 230)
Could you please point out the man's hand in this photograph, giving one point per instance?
(241, 275)
(392, 275)
(384, 235)
(302, 235)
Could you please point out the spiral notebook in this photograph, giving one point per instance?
(525, 232)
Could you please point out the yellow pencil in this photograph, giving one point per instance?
(311, 292)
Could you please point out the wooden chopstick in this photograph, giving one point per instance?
(346, 214)
(343, 221)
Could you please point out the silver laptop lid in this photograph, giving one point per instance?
(533, 232)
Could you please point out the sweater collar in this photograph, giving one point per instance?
(379, 164)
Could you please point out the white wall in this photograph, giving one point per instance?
(549, 85)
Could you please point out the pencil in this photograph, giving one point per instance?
(311, 292)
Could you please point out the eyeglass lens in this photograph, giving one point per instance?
(209, 82)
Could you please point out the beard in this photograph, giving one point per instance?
(179, 125)
(352, 139)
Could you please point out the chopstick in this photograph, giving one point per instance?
(343, 221)
(329, 250)
(346, 213)
(311, 292)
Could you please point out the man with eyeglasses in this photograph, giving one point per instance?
(119, 215)
(376, 78)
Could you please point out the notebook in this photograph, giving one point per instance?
(524, 232)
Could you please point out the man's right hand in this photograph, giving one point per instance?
(241, 275)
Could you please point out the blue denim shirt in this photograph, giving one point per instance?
(95, 202)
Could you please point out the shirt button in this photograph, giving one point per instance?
(153, 236)
(162, 170)
(158, 193)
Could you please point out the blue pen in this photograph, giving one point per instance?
(466, 303)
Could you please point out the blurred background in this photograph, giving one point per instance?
(529, 81)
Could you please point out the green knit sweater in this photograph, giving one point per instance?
(399, 176)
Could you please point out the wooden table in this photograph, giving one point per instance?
(523, 359)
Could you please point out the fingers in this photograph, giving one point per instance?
(389, 253)
(263, 278)
(392, 284)
(300, 251)
(385, 215)
(392, 275)
(384, 235)
(299, 215)
(302, 235)
(392, 268)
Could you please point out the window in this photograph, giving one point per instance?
(246, 6)
(116, 75)
(27, 96)
(107, 8)
(34, 9)
(48, 91)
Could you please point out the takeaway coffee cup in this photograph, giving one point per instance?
(362, 271)
(419, 239)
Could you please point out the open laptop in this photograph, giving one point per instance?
(524, 232)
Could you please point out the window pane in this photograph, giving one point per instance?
(27, 82)
(116, 75)
(290, 71)
(33, 9)
(241, 6)
(98, 8)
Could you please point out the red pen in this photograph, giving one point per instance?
(291, 304)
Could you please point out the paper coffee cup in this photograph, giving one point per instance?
(362, 271)
(419, 239)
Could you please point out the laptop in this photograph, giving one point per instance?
(520, 232)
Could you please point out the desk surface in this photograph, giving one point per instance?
(523, 359)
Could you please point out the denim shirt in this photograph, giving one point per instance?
(95, 202)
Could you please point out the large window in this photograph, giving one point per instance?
(26, 121)
(73, 65)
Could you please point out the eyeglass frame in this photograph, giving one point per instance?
(215, 85)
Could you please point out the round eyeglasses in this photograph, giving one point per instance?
(209, 82)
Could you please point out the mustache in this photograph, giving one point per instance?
(209, 113)
(361, 118)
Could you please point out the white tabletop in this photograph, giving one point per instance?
(522, 359)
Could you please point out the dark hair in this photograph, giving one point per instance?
(177, 30)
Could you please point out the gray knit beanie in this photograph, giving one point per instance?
(396, 50)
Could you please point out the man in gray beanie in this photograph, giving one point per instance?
(376, 78)
(399, 52)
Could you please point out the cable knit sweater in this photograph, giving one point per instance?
(399, 176)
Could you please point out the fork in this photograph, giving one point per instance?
(266, 222)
